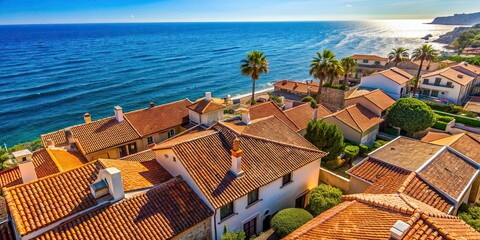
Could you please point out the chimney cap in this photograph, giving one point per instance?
(399, 229)
(152, 104)
(236, 144)
(21, 153)
(117, 108)
(86, 114)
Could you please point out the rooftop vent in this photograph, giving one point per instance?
(208, 96)
(284, 82)
(87, 118)
(398, 230)
(296, 84)
(460, 76)
(245, 115)
(152, 104)
(108, 185)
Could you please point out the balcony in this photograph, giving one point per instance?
(437, 85)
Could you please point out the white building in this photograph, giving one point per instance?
(448, 84)
(393, 82)
(205, 111)
(244, 170)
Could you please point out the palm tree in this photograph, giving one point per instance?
(320, 67)
(425, 52)
(255, 64)
(399, 54)
(335, 71)
(349, 65)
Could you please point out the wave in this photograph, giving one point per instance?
(225, 49)
(75, 61)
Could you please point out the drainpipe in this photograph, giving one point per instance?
(215, 222)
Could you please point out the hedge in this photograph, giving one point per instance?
(363, 148)
(449, 108)
(324, 197)
(351, 151)
(461, 119)
(288, 220)
(440, 125)
(391, 131)
(446, 119)
(334, 164)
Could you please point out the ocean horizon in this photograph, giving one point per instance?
(51, 74)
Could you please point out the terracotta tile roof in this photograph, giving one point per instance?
(211, 169)
(40, 203)
(44, 164)
(204, 106)
(181, 138)
(143, 156)
(300, 87)
(3, 209)
(469, 145)
(357, 117)
(358, 218)
(104, 133)
(58, 137)
(270, 128)
(451, 74)
(303, 114)
(378, 98)
(373, 170)
(66, 160)
(268, 109)
(10, 177)
(138, 175)
(163, 212)
(159, 118)
(432, 136)
(473, 105)
(450, 173)
(469, 67)
(397, 75)
(368, 57)
(406, 153)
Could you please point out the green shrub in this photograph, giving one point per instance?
(411, 115)
(461, 119)
(471, 215)
(351, 151)
(440, 125)
(230, 235)
(228, 111)
(326, 137)
(32, 146)
(391, 131)
(334, 164)
(277, 100)
(324, 197)
(450, 108)
(446, 119)
(336, 86)
(379, 143)
(288, 220)
(311, 100)
(363, 148)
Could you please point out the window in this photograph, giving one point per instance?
(171, 133)
(449, 84)
(434, 93)
(253, 196)
(426, 92)
(226, 210)
(425, 81)
(250, 228)
(150, 140)
(24, 159)
(365, 61)
(122, 151)
(286, 179)
(377, 62)
(132, 148)
(301, 201)
(437, 81)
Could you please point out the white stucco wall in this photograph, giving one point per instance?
(193, 116)
(348, 132)
(455, 94)
(386, 85)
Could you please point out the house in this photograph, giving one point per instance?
(227, 164)
(473, 105)
(375, 100)
(269, 108)
(471, 51)
(357, 123)
(108, 199)
(472, 71)
(440, 176)
(205, 111)
(383, 216)
(302, 114)
(427, 66)
(124, 133)
(368, 64)
(448, 83)
(393, 82)
(296, 90)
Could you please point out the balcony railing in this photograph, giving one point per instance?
(438, 85)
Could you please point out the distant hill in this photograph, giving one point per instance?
(450, 37)
(458, 19)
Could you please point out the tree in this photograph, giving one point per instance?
(327, 137)
(311, 100)
(411, 115)
(324, 197)
(399, 54)
(425, 52)
(288, 220)
(255, 64)
(321, 67)
(230, 235)
(349, 65)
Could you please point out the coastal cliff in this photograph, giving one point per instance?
(458, 19)
(449, 37)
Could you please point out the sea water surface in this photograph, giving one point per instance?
(50, 75)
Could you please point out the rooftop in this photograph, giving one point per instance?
(301, 115)
(369, 57)
(358, 117)
(204, 106)
(159, 118)
(451, 74)
(473, 105)
(396, 74)
(377, 97)
(469, 67)
(301, 87)
(269, 109)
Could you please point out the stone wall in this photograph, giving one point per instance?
(334, 99)
(335, 180)
(200, 231)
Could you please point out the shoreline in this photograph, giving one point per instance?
(242, 96)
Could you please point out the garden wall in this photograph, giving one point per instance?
(334, 99)
(335, 180)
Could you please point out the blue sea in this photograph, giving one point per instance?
(51, 74)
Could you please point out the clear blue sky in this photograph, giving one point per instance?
(78, 11)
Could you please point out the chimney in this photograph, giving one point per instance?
(25, 165)
(87, 117)
(284, 82)
(109, 182)
(208, 96)
(315, 113)
(118, 113)
(460, 76)
(236, 168)
(398, 230)
(50, 143)
(152, 104)
(296, 84)
(245, 115)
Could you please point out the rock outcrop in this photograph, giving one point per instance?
(458, 19)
